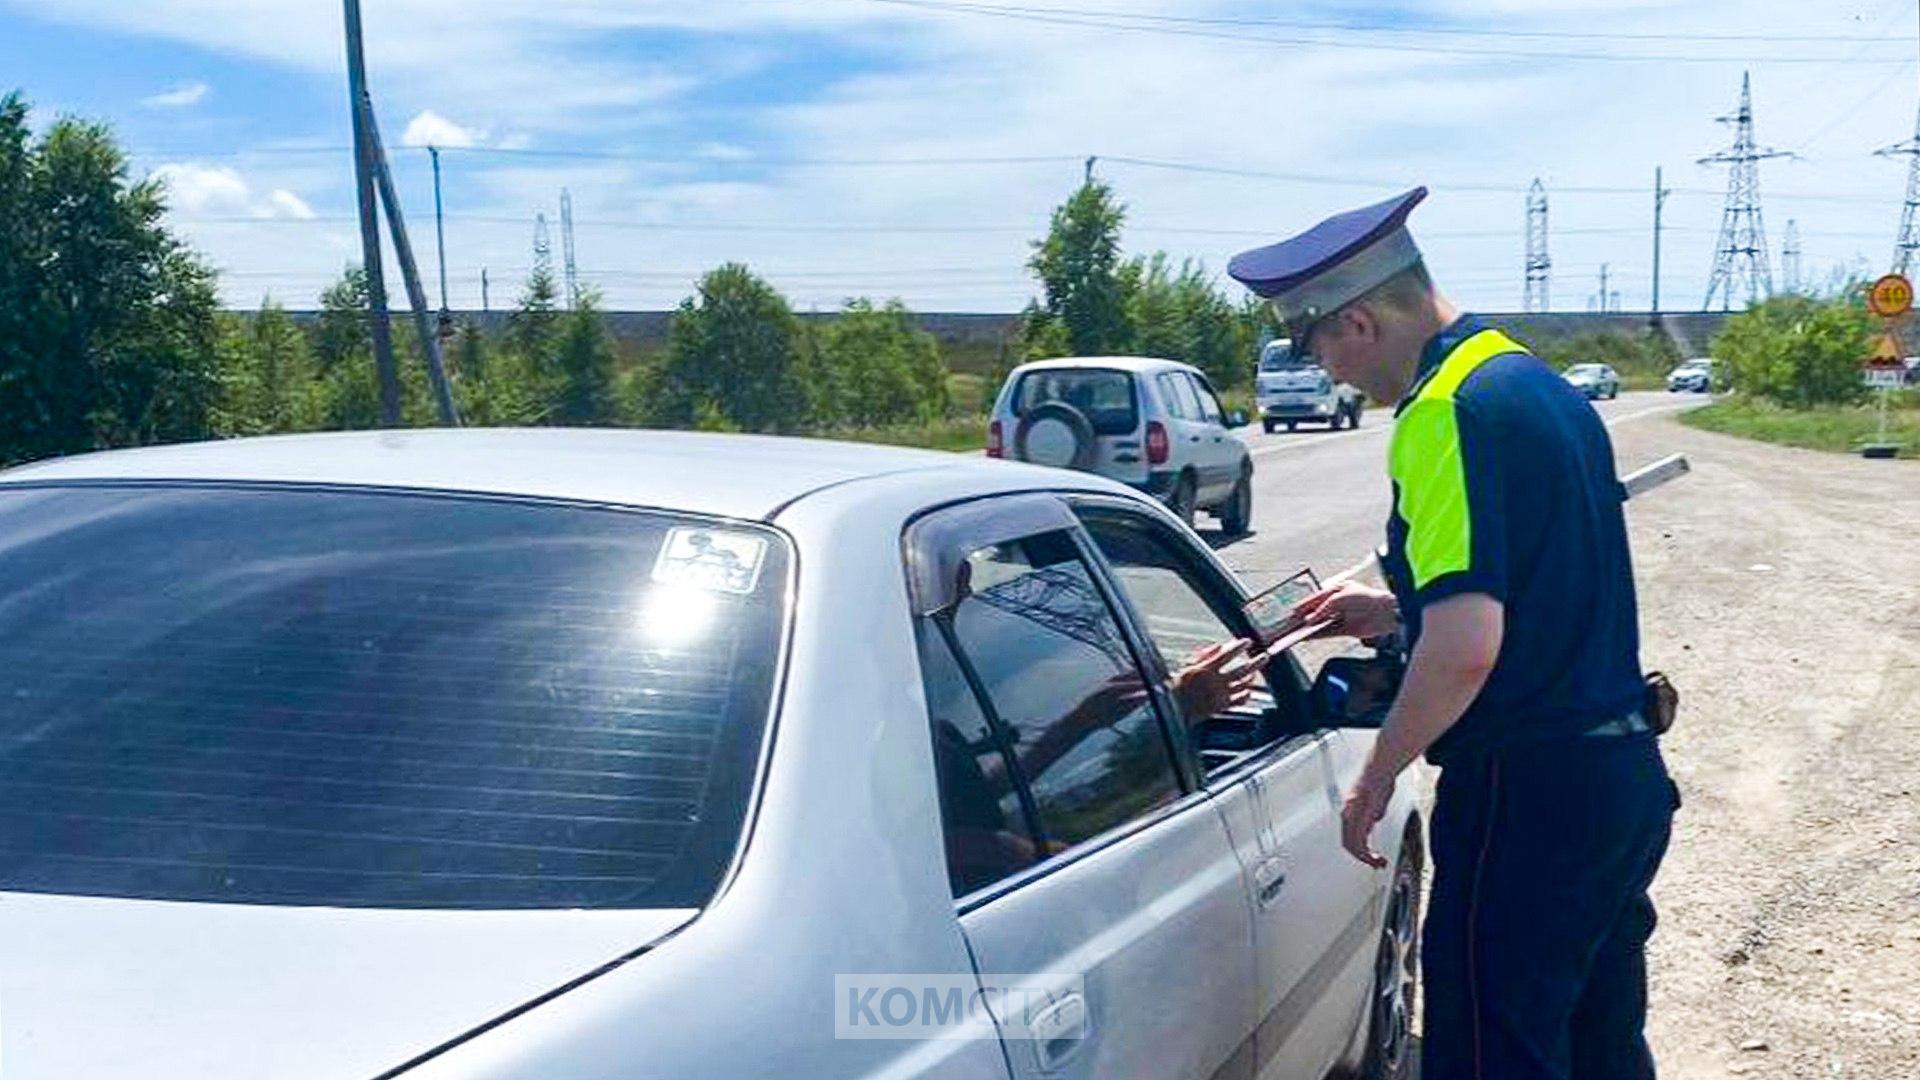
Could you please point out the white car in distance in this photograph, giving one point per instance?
(1295, 390)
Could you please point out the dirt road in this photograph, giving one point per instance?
(1781, 589)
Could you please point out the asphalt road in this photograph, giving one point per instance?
(1320, 498)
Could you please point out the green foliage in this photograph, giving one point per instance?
(1078, 265)
(585, 366)
(731, 359)
(536, 318)
(1642, 359)
(880, 367)
(1798, 351)
(266, 372)
(1179, 315)
(108, 334)
(344, 337)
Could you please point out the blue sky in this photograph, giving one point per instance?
(691, 133)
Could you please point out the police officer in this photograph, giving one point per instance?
(1510, 583)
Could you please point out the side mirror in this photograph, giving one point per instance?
(1356, 691)
(1237, 418)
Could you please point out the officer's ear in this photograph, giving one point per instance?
(1359, 323)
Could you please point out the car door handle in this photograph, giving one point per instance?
(1269, 880)
(1059, 1030)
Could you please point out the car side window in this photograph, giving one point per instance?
(1171, 393)
(1209, 404)
(1190, 407)
(1064, 713)
(1172, 600)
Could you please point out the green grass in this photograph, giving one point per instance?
(960, 434)
(1837, 428)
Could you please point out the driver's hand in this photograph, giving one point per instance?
(1218, 678)
(1351, 610)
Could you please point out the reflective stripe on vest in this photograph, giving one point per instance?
(1428, 473)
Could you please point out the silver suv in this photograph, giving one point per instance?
(1293, 392)
(1154, 425)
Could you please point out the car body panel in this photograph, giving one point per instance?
(102, 987)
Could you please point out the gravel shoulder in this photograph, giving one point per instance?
(1781, 590)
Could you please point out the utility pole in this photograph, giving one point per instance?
(542, 247)
(440, 241)
(1740, 256)
(1603, 289)
(1660, 193)
(410, 274)
(486, 304)
(363, 169)
(1088, 178)
(1538, 263)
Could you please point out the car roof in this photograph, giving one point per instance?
(736, 476)
(1134, 364)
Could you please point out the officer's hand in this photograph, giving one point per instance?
(1352, 610)
(1366, 804)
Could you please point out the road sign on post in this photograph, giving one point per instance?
(1890, 298)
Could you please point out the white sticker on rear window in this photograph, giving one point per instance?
(713, 559)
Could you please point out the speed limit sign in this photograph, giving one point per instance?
(1891, 296)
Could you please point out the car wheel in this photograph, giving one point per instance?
(1237, 512)
(1055, 434)
(1183, 498)
(1337, 420)
(1396, 971)
(1293, 425)
(1353, 415)
(1268, 425)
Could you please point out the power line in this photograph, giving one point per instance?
(1106, 21)
(1454, 31)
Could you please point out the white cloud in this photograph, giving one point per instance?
(199, 190)
(429, 128)
(290, 205)
(561, 75)
(183, 96)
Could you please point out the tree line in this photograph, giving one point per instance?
(111, 333)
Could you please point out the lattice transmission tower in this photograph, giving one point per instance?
(1740, 256)
(1790, 258)
(1538, 262)
(1908, 241)
(542, 247)
(566, 249)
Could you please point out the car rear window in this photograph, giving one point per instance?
(317, 697)
(1104, 395)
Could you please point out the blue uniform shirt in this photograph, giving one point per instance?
(1503, 484)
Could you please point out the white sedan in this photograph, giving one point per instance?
(548, 755)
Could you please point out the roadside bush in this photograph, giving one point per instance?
(1798, 351)
(731, 359)
(878, 368)
(1642, 359)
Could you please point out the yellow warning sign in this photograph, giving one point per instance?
(1885, 351)
(1891, 296)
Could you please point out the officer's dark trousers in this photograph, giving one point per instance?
(1535, 941)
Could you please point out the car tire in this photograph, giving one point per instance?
(1236, 514)
(1396, 970)
(1060, 412)
(1293, 425)
(1353, 415)
(1269, 425)
(1182, 500)
(1336, 421)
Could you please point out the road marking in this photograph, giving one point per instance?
(1296, 444)
(1655, 411)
